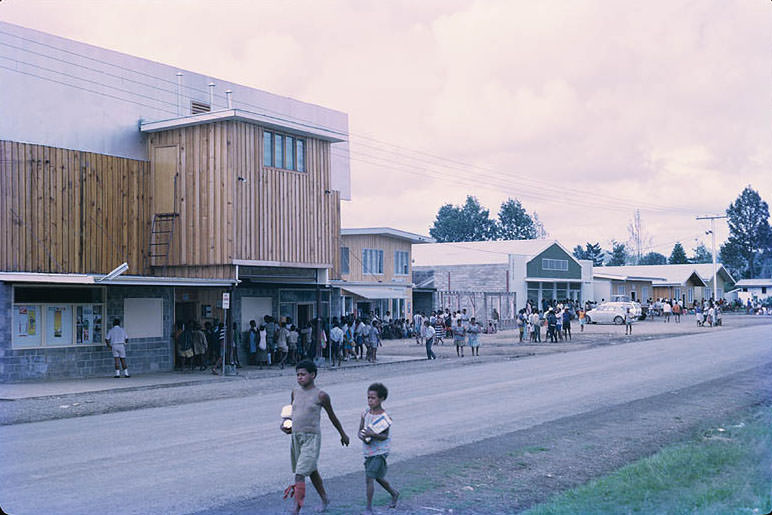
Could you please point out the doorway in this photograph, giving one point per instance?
(305, 314)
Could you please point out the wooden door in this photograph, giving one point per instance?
(164, 179)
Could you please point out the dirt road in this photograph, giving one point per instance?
(453, 426)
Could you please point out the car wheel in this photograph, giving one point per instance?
(618, 320)
(587, 320)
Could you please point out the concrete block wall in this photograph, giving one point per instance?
(143, 355)
(490, 278)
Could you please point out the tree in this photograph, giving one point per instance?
(591, 252)
(750, 234)
(653, 258)
(515, 223)
(638, 238)
(701, 255)
(594, 253)
(469, 222)
(678, 256)
(619, 254)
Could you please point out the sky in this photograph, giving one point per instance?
(584, 111)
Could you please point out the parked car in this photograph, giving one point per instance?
(612, 313)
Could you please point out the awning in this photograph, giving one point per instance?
(376, 292)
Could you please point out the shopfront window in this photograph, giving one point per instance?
(57, 317)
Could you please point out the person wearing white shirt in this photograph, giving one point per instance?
(116, 341)
(418, 323)
(336, 341)
(428, 334)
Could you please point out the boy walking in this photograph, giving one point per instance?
(307, 402)
(376, 445)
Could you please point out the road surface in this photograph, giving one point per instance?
(191, 457)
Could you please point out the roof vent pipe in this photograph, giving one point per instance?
(179, 93)
(228, 97)
(211, 96)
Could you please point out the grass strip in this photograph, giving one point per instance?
(724, 469)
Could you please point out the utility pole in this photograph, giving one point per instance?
(713, 219)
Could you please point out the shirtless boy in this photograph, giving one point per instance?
(307, 402)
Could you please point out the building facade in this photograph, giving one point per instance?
(376, 270)
(202, 187)
(500, 275)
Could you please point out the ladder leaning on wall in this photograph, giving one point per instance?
(161, 238)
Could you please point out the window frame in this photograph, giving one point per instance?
(546, 262)
(345, 264)
(401, 257)
(287, 151)
(74, 327)
(372, 258)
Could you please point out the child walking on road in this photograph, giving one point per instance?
(307, 402)
(376, 445)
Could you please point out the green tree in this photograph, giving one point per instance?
(750, 234)
(653, 258)
(593, 252)
(515, 223)
(619, 254)
(678, 256)
(701, 255)
(469, 222)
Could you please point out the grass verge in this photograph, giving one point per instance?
(724, 469)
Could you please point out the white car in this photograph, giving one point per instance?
(612, 313)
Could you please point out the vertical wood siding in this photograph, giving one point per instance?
(270, 215)
(66, 211)
(356, 243)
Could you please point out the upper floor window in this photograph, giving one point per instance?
(401, 262)
(344, 261)
(284, 151)
(554, 264)
(372, 261)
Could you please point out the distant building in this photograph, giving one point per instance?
(753, 289)
(503, 275)
(688, 282)
(376, 271)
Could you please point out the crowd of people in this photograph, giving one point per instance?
(276, 343)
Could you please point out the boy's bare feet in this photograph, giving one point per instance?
(394, 499)
(324, 506)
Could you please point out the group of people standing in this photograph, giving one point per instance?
(202, 347)
(556, 317)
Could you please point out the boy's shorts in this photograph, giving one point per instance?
(375, 466)
(119, 350)
(304, 452)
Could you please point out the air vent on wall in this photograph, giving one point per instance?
(199, 107)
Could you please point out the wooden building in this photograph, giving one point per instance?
(199, 193)
(376, 269)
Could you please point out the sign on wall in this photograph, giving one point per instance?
(143, 318)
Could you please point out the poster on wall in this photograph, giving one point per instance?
(59, 325)
(25, 325)
(88, 324)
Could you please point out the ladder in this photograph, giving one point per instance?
(161, 237)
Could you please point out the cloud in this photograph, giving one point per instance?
(583, 110)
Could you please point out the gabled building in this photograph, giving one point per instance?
(203, 187)
(503, 275)
(376, 270)
(688, 282)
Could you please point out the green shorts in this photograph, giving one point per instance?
(375, 466)
(304, 452)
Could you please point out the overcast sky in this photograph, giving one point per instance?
(584, 111)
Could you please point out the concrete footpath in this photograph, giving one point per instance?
(53, 388)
